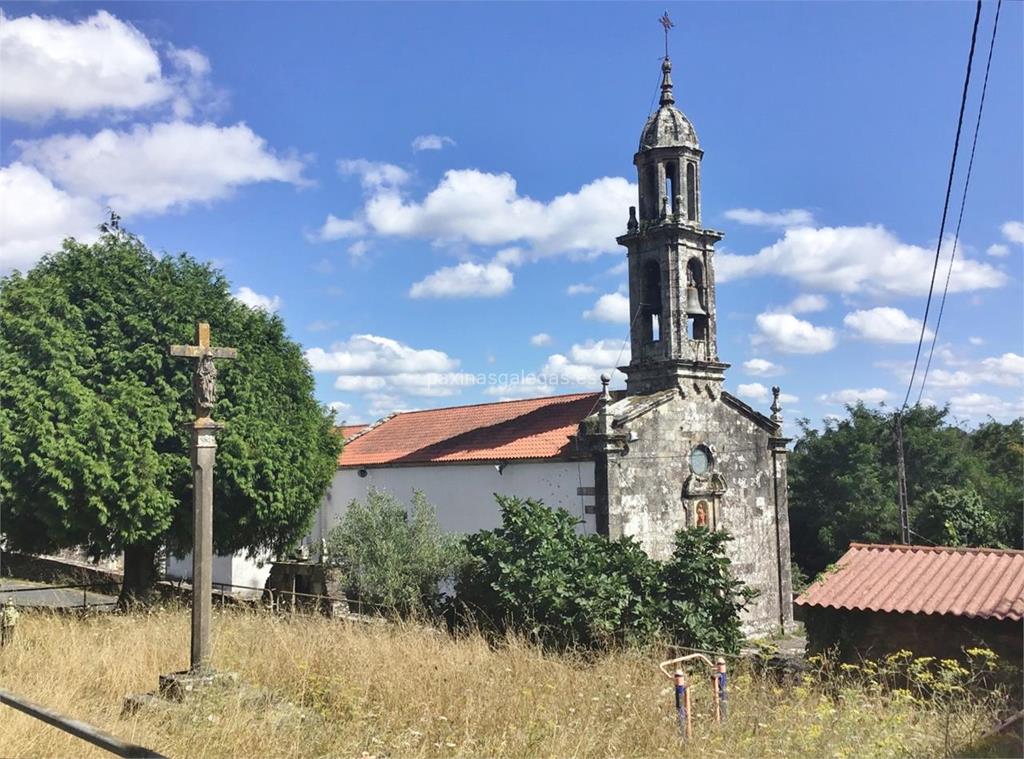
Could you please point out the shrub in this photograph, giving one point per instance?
(536, 574)
(392, 557)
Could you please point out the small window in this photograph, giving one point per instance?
(700, 460)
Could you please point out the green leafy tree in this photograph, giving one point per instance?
(536, 574)
(954, 516)
(843, 484)
(93, 448)
(392, 557)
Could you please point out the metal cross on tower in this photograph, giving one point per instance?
(666, 24)
(204, 449)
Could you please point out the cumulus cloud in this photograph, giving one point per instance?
(467, 280)
(53, 67)
(152, 168)
(793, 217)
(541, 339)
(374, 175)
(789, 334)
(758, 393)
(579, 289)
(760, 367)
(806, 304)
(1006, 370)
(579, 371)
(885, 325)
(476, 207)
(431, 142)
(1013, 231)
(980, 406)
(35, 217)
(998, 250)
(612, 307)
(334, 228)
(867, 260)
(253, 299)
(870, 396)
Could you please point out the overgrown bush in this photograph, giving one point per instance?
(536, 574)
(393, 557)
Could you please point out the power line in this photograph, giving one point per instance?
(963, 202)
(945, 205)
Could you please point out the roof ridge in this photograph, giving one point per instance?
(574, 396)
(937, 549)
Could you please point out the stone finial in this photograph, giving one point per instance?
(664, 206)
(776, 405)
(667, 98)
(632, 224)
(606, 395)
(678, 205)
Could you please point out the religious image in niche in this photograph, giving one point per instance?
(702, 514)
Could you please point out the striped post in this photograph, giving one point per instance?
(721, 695)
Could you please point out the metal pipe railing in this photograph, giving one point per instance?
(79, 729)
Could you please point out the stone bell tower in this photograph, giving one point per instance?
(670, 255)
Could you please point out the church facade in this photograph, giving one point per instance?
(674, 450)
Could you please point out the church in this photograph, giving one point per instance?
(674, 450)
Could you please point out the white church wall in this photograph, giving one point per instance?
(463, 494)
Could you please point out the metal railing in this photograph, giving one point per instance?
(85, 586)
(77, 728)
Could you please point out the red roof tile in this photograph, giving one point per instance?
(535, 428)
(350, 430)
(969, 582)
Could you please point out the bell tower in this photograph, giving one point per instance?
(671, 259)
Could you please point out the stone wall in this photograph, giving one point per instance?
(651, 493)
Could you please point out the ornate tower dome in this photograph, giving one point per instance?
(668, 127)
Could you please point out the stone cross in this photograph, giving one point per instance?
(204, 449)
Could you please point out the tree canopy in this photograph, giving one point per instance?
(964, 487)
(93, 448)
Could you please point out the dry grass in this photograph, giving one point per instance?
(323, 688)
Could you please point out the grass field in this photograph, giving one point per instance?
(313, 687)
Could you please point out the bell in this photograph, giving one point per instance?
(693, 306)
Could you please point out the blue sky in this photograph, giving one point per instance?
(428, 194)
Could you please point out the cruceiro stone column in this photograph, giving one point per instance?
(204, 449)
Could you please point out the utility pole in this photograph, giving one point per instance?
(901, 478)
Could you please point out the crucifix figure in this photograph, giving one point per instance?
(204, 449)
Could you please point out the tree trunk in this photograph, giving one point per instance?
(140, 576)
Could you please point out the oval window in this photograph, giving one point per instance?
(700, 460)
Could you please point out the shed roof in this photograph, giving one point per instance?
(348, 431)
(534, 428)
(986, 583)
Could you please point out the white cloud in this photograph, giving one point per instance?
(793, 217)
(334, 228)
(866, 261)
(340, 408)
(788, 334)
(541, 339)
(806, 304)
(100, 64)
(358, 250)
(612, 307)
(885, 325)
(253, 299)
(998, 250)
(375, 176)
(755, 391)
(471, 206)
(1006, 370)
(467, 280)
(509, 257)
(36, 216)
(156, 167)
(760, 367)
(601, 354)
(431, 142)
(870, 396)
(1013, 231)
(578, 371)
(579, 289)
(976, 340)
(980, 406)
(378, 356)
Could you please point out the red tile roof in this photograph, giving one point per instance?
(969, 582)
(535, 428)
(350, 430)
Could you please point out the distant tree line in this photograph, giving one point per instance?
(964, 487)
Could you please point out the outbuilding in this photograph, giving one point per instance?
(933, 601)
